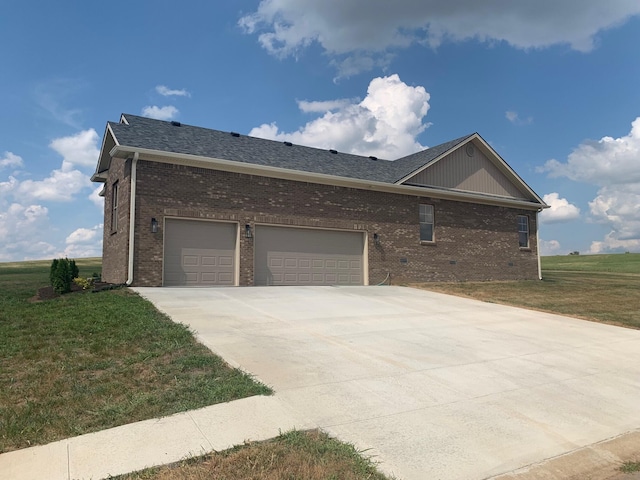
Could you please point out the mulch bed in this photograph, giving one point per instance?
(48, 293)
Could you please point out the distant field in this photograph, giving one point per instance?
(612, 263)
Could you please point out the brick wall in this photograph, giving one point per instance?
(115, 243)
(472, 242)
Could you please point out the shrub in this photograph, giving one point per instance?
(84, 283)
(52, 271)
(62, 274)
(75, 271)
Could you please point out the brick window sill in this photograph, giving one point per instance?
(525, 249)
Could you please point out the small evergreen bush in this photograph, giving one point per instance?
(52, 271)
(75, 271)
(62, 273)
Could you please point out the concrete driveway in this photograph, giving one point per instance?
(433, 386)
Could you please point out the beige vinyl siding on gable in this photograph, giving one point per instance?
(459, 171)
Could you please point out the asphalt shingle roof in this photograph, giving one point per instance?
(147, 133)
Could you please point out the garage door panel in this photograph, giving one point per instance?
(190, 260)
(191, 277)
(209, 261)
(304, 263)
(225, 278)
(276, 262)
(199, 253)
(294, 256)
(225, 261)
(290, 263)
(208, 277)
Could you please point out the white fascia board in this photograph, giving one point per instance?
(319, 178)
(103, 161)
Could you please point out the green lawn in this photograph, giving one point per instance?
(89, 361)
(613, 263)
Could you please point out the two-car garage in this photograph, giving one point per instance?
(205, 253)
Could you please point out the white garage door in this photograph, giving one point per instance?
(305, 256)
(199, 253)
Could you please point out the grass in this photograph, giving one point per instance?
(602, 288)
(311, 455)
(630, 467)
(613, 263)
(90, 361)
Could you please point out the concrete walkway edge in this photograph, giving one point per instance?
(599, 461)
(154, 442)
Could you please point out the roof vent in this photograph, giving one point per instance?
(235, 134)
(176, 124)
(333, 151)
(372, 157)
(288, 144)
(469, 149)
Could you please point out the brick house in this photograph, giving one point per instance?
(192, 206)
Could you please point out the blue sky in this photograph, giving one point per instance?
(553, 86)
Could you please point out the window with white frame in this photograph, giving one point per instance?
(114, 208)
(426, 223)
(523, 231)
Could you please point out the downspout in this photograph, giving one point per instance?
(538, 246)
(132, 217)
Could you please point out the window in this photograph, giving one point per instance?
(523, 231)
(114, 208)
(426, 223)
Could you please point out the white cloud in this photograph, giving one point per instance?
(63, 183)
(366, 29)
(611, 244)
(20, 227)
(167, 92)
(613, 164)
(385, 124)
(8, 187)
(511, 116)
(549, 247)
(607, 161)
(10, 160)
(80, 149)
(84, 242)
(514, 118)
(59, 186)
(560, 210)
(619, 208)
(83, 235)
(96, 198)
(160, 113)
(25, 228)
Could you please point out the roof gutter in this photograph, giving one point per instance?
(132, 217)
(122, 151)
